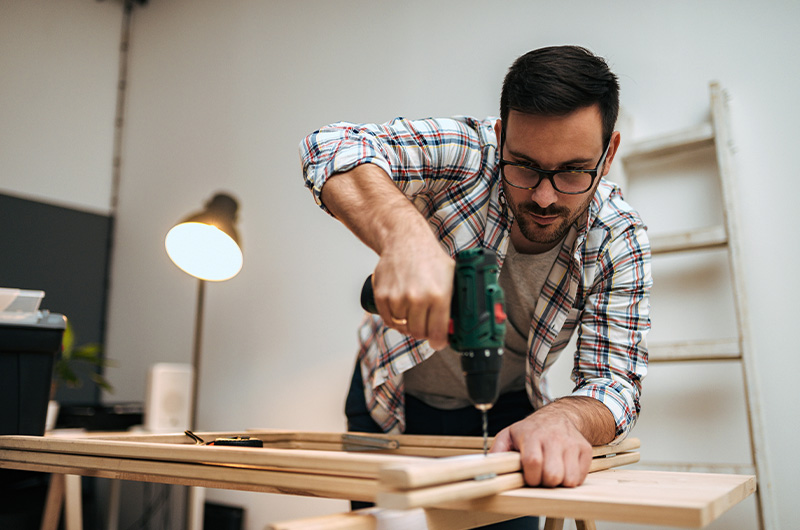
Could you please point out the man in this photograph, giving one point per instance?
(573, 255)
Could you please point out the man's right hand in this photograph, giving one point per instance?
(413, 287)
(413, 281)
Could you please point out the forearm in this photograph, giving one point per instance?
(347, 168)
(589, 416)
(368, 203)
(413, 280)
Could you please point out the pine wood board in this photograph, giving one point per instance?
(408, 445)
(174, 448)
(477, 487)
(299, 438)
(410, 474)
(213, 476)
(678, 499)
(360, 464)
(339, 463)
(690, 500)
(171, 459)
(378, 519)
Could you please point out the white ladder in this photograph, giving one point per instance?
(712, 135)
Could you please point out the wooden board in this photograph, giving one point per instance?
(318, 461)
(678, 499)
(690, 500)
(480, 486)
(378, 519)
(194, 474)
(329, 472)
(410, 474)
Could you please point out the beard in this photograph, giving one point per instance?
(553, 232)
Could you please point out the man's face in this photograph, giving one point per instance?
(575, 141)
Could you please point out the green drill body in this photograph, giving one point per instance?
(477, 325)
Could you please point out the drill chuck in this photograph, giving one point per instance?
(482, 373)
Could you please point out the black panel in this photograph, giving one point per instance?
(222, 517)
(64, 252)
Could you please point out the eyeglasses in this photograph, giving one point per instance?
(570, 182)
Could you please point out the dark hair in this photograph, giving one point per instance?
(558, 80)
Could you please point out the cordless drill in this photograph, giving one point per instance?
(477, 325)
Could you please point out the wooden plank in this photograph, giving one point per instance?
(601, 464)
(179, 480)
(441, 471)
(420, 451)
(553, 523)
(698, 137)
(340, 521)
(699, 467)
(287, 464)
(636, 496)
(378, 519)
(697, 350)
(411, 445)
(54, 502)
(690, 500)
(626, 445)
(416, 498)
(440, 519)
(158, 459)
(404, 440)
(447, 470)
(698, 239)
(231, 477)
(330, 462)
(477, 487)
(360, 464)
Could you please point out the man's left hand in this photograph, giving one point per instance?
(554, 449)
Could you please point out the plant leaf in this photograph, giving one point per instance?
(102, 382)
(68, 340)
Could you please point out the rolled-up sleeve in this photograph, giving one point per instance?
(421, 156)
(612, 348)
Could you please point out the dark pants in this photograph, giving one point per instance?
(424, 419)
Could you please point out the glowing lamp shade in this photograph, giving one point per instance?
(206, 244)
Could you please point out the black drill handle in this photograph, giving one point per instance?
(368, 297)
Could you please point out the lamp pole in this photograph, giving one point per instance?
(197, 348)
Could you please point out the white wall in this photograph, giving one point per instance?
(58, 64)
(220, 93)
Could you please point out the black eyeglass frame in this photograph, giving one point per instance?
(549, 174)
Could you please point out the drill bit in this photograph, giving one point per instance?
(485, 431)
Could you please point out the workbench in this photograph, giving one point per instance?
(331, 465)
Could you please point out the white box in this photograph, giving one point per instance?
(22, 300)
(168, 407)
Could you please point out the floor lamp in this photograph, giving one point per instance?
(206, 246)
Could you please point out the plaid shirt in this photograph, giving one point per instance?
(599, 284)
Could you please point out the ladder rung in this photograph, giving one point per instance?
(734, 469)
(701, 238)
(681, 141)
(698, 350)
